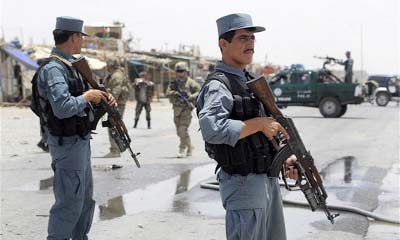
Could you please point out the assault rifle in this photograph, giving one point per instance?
(183, 96)
(118, 129)
(309, 181)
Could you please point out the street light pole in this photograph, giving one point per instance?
(362, 53)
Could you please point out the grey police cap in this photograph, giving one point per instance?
(70, 24)
(236, 21)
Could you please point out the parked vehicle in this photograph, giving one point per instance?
(386, 88)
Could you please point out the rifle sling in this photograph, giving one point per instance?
(68, 63)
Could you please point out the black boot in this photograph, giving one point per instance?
(136, 121)
(148, 124)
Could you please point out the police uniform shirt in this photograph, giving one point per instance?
(53, 86)
(216, 103)
(348, 65)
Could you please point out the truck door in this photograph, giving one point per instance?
(279, 86)
(301, 87)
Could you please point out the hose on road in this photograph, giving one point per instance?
(215, 186)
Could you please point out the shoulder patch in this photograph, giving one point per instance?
(214, 85)
(53, 64)
(221, 77)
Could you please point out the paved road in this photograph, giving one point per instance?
(358, 156)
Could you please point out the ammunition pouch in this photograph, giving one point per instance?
(253, 154)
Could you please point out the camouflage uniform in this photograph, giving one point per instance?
(144, 91)
(183, 112)
(117, 84)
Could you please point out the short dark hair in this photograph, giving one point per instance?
(61, 36)
(228, 36)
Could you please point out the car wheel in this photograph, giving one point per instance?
(343, 111)
(330, 107)
(382, 99)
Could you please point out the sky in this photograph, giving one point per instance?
(297, 30)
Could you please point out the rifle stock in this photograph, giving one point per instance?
(119, 132)
(310, 181)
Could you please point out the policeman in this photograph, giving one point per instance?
(182, 93)
(64, 99)
(117, 84)
(348, 67)
(236, 131)
(144, 92)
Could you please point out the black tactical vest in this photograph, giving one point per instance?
(252, 154)
(74, 125)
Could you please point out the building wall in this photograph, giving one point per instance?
(7, 77)
(9, 88)
(92, 31)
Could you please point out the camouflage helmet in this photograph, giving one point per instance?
(181, 66)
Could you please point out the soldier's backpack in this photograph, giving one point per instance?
(36, 98)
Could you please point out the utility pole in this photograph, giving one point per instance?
(266, 60)
(362, 53)
(22, 36)
(3, 38)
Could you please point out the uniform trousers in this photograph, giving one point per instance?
(253, 205)
(72, 213)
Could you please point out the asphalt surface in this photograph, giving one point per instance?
(357, 155)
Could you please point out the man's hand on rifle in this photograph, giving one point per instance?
(111, 100)
(290, 169)
(175, 93)
(95, 96)
(271, 128)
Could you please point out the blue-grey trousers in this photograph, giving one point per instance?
(72, 213)
(253, 205)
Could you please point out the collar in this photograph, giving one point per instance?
(229, 69)
(60, 53)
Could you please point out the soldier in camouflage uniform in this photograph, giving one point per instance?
(117, 84)
(182, 93)
(144, 91)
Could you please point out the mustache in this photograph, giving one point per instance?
(248, 50)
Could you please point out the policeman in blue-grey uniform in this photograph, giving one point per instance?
(236, 130)
(348, 67)
(66, 108)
